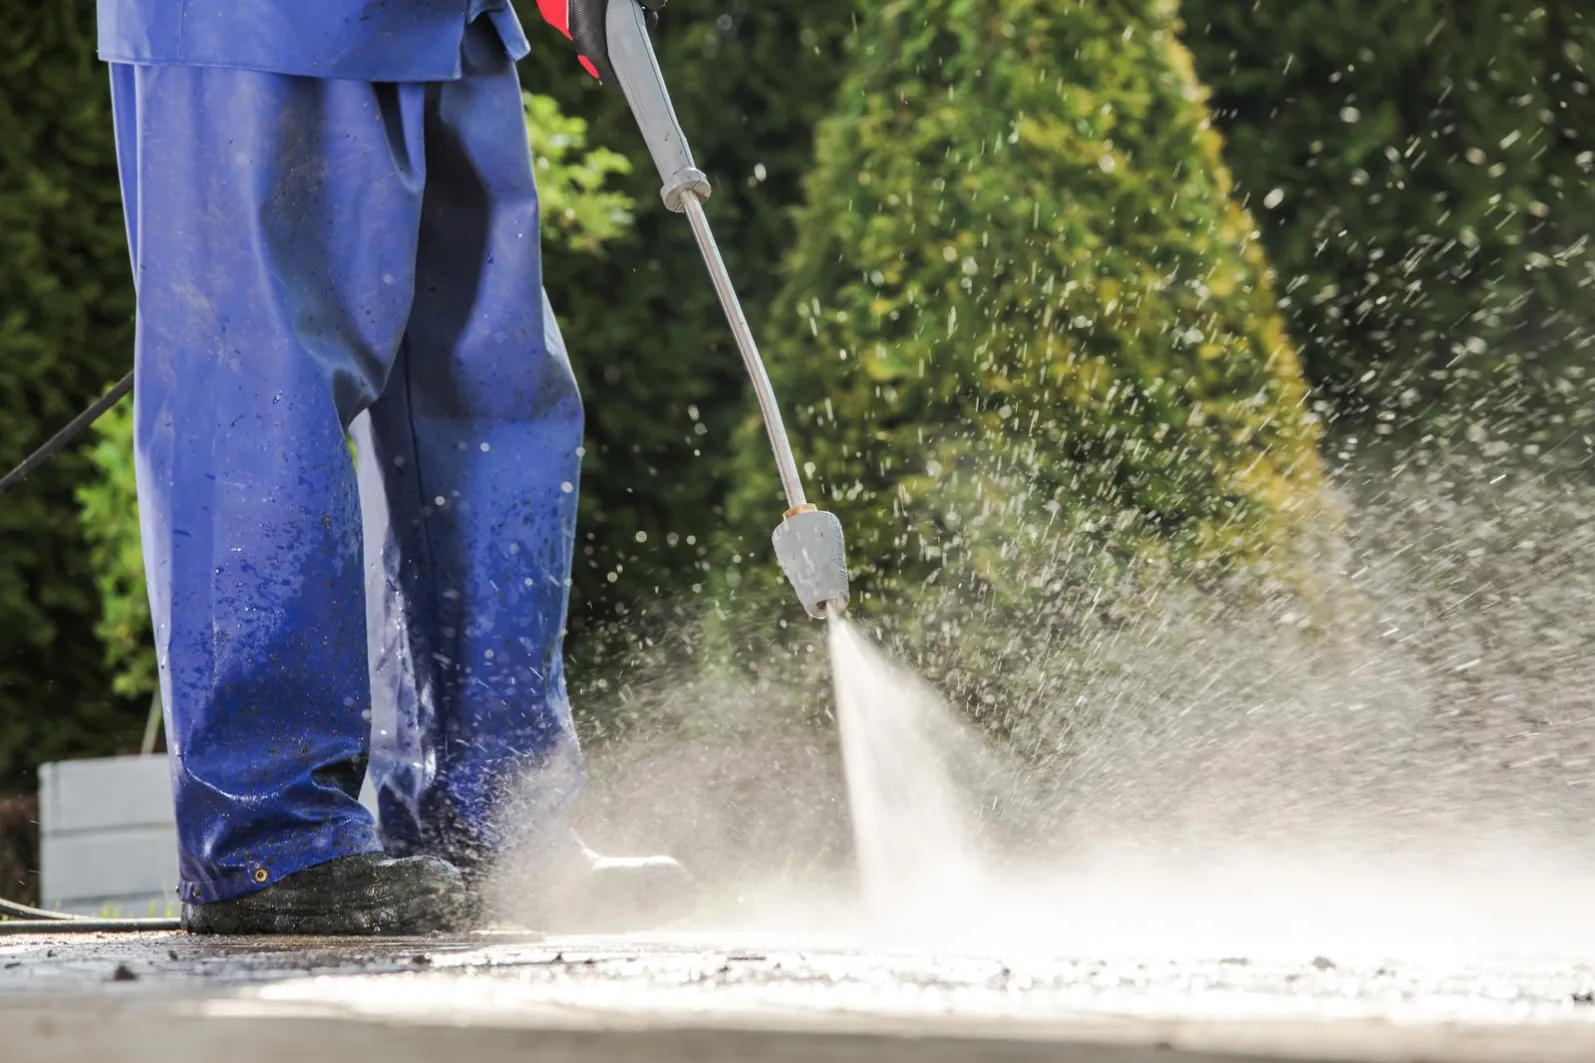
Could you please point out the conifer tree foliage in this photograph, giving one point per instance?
(1424, 173)
(1023, 308)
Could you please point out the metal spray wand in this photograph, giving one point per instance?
(808, 542)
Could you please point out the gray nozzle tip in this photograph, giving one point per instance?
(810, 547)
(828, 610)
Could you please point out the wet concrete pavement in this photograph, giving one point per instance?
(493, 996)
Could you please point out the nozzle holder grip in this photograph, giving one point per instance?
(631, 54)
(691, 181)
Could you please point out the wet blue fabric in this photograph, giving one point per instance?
(314, 257)
(366, 40)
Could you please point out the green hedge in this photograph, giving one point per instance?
(1425, 176)
(65, 335)
(1023, 312)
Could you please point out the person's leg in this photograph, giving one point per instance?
(470, 472)
(273, 224)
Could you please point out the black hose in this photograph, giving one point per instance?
(14, 910)
(85, 926)
(20, 919)
(31, 463)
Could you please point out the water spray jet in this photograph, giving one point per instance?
(808, 542)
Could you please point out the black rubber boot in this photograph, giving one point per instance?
(366, 894)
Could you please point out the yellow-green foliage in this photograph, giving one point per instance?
(109, 506)
(1022, 302)
(578, 209)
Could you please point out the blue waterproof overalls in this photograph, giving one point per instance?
(334, 229)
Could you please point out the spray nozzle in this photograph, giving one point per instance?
(812, 554)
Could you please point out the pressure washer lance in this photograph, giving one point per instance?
(808, 542)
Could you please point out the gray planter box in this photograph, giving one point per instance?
(107, 836)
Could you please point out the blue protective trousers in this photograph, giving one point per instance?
(319, 261)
